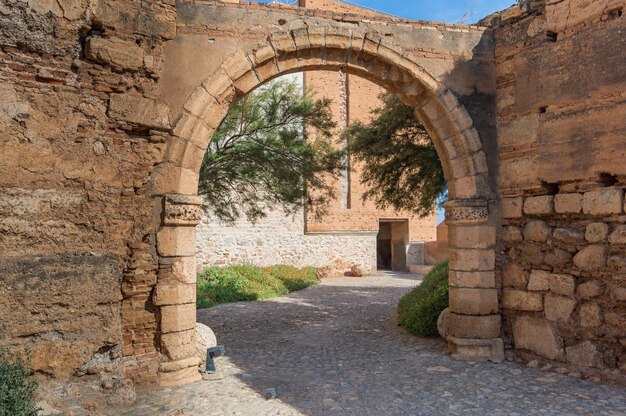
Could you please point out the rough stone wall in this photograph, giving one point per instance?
(561, 83)
(81, 133)
(280, 239)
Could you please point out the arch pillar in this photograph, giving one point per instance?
(175, 291)
(473, 322)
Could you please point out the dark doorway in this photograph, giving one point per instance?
(383, 246)
(391, 243)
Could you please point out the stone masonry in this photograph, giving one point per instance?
(280, 239)
(108, 106)
(561, 139)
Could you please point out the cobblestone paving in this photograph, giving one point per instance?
(335, 349)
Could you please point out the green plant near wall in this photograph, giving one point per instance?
(17, 390)
(419, 309)
(238, 283)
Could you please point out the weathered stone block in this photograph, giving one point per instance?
(605, 201)
(170, 178)
(511, 234)
(616, 264)
(179, 345)
(537, 335)
(531, 253)
(220, 86)
(617, 323)
(172, 292)
(590, 315)
(597, 232)
(618, 236)
(514, 276)
(282, 42)
(557, 257)
(176, 241)
(618, 293)
(585, 355)
(590, 289)
(184, 269)
(512, 207)
(199, 101)
(561, 16)
(138, 110)
(591, 258)
(539, 205)
(472, 260)
(539, 280)
(473, 301)
(562, 284)
(558, 308)
(521, 300)
(117, 53)
(471, 236)
(175, 318)
(536, 231)
(472, 279)
(568, 203)
(178, 377)
(476, 350)
(236, 65)
(568, 236)
(474, 327)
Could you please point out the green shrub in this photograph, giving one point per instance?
(419, 309)
(16, 390)
(245, 283)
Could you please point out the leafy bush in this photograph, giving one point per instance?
(419, 309)
(245, 283)
(16, 390)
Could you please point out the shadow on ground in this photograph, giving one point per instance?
(336, 349)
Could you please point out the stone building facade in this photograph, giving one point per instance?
(108, 105)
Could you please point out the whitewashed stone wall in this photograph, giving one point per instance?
(280, 239)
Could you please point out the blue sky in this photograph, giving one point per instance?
(449, 11)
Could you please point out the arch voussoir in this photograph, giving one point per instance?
(282, 42)
(220, 86)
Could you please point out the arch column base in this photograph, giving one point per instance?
(179, 377)
(465, 349)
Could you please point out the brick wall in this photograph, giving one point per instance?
(362, 215)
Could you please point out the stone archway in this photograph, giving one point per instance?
(473, 325)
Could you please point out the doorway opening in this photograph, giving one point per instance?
(391, 244)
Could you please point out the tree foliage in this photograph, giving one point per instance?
(401, 166)
(273, 148)
(17, 390)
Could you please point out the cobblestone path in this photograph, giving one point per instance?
(335, 349)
